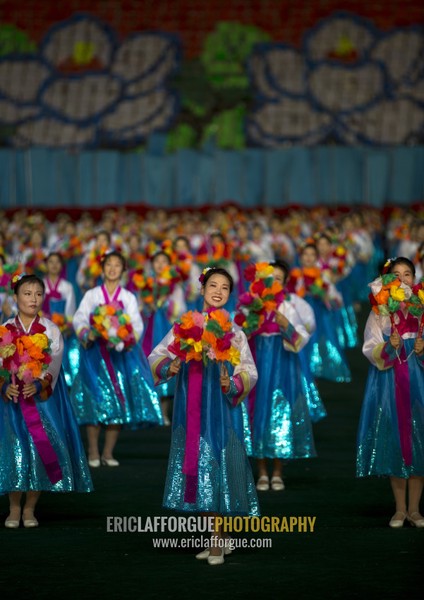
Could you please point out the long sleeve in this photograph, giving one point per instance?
(53, 333)
(305, 313)
(131, 308)
(160, 357)
(379, 352)
(296, 336)
(81, 320)
(66, 290)
(245, 374)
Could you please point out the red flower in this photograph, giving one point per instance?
(250, 272)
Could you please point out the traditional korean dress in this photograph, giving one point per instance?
(40, 443)
(208, 468)
(158, 323)
(280, 418)
(113, 387)
(59, 300)
(324, 352)
(391, 427)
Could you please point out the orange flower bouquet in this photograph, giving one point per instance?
(210, 336)
(113, 326)
(24, 356)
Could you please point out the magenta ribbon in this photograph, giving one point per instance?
(51, 294)
(147, 344)
(39, 436)
(252, 394)
(192, 444)
(110, 369)
(403, 407)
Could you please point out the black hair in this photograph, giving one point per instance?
(163, 253)
(118, 255)
(183, 238)
(3, 258)
(105, 233)
(282, 265)
(402, 260)
(325, 237)
(218, 271)
(27, 279)
(303, 248)
(58, 254)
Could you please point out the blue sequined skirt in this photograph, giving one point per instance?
(21, 468)
(378, 441)
(325, 354)
(281, 425)
(225, 479)
(96, 400)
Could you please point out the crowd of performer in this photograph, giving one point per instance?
(123, 298)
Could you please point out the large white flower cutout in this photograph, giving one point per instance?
(86, 82)
(355, 83)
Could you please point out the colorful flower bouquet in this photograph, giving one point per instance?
(93, 267)
(388, 295)
(64, 323)
(23, 356)
(205, 337)
(309, 280)
(113, 326)
(71, 248)
(263, 297)
(157, 289)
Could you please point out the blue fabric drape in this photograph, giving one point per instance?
(328, 175)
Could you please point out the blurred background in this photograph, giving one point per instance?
(186, 103)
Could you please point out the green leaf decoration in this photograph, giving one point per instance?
(15, 41)
(388, 278)
(393, 305)
(183, 136)
(215, 328)
(383, 310)
(226, 50)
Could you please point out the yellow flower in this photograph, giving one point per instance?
(421, 296)
(40, 340)
(197, 346)
(234, 356)
(397, 294)
(6, 351)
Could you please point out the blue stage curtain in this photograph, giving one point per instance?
(329, 175)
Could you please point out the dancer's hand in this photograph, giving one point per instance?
(395, 339)
(12, 393)
(419, 346)
(175, 366)
(224, 379)
(29, 389)
(281, 320)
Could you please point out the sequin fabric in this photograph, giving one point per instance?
(21, 468)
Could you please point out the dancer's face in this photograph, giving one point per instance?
(404, 273)
(308, 258)
(113, 269)
(29, 299)
(279, 275)
(216, 291)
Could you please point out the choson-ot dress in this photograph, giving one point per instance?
(113, 388)
(208, 468)
(281, 422)
(391, 427)
(40, 443)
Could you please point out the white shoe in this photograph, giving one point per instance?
(30, 522)
(94, 463)
(11, 523)
(397, 520)
(417, 521)
(216, 560)
(110, 462)
(205, 553)
(277, 484)
(263, 483)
